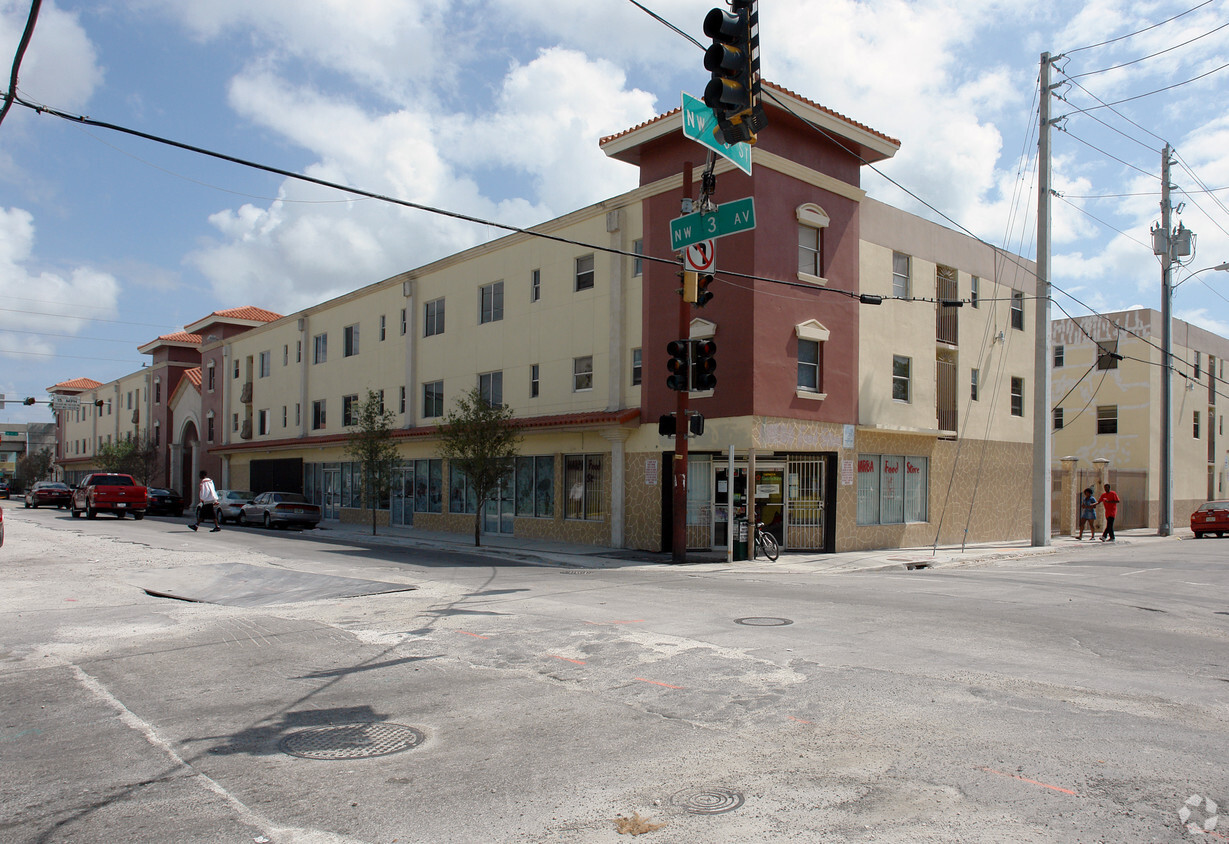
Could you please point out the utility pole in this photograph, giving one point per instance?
(1041, 330)
(678, 471)
(1166, 517)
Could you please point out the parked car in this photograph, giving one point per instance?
(1212, 517)
(280, 509)
(1, 525)
(4, 489)
(164, 502)
(231, 501)
(49, 494)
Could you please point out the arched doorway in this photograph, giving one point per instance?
(185, 467)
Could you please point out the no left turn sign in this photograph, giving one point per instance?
(700, 257)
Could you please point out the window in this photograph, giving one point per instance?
(262, 421)
(582, 373)
(1017, 396)
(298, 416)
(235, 375)
(130, 393)
(209, 376)
(157, 434)
(298, 351)
(380, 394)
(584, 272)
(383, 331)
(349, 341)
(318, 415)
(1196, 431)
(973, 376)
(810, 250)
(209, 428)
(1107, 355)
(900, 377)
(433, 399)
(286, 354)
(900, 274)
(1017, 310)
(637, 368)
(1107, 419)
(638, 262)
(158, 390)
(234, 422)
(582, 483)
(1059, 353)
(349, 410)
(809, 368)
(433, 318)
(265, 364)
(403, 322)
(461, 495)
(1198, 365)
(534, 483)
(320, 348)
(491, 386)
(285, 416)
(534, 381)
(490, 302)
(975, 292)
(535, 285)
(1058, 419)
(892, 489)
(108, 407)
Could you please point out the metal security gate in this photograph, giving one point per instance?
(805, 500)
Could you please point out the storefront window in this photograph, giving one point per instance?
(892, 489)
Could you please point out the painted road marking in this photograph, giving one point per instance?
(1026, 779)
(1140, 571)
(658, 683)
(633, 621)
(475, 635)
(566, 659)
(799, 720)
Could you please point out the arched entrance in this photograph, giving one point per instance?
(185, 467)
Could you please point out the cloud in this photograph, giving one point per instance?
(39, 301)
(60, 65)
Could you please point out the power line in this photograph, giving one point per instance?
(662, 20)
(1152, 56)
(26, 35)
(1158, 90)
(1138, 31)
(1095, 148)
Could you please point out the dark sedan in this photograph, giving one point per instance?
(1212, 517)
(280, 509)
(4, 489)
(49, 494)
(164, 502)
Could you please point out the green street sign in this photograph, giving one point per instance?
(700, 124)
(729, 218)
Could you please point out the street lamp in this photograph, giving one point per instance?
(1221, 267)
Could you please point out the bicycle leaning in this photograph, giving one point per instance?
(765, 542)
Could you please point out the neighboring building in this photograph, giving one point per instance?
(868, 426)
(21, 439)
(1106, 399)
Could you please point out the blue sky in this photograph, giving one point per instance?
(495, 108)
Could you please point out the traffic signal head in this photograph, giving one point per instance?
(695, 424)
(703, 365)
(666, 426)
(690, 286)
(29, 401)
(678, 364)
(703, 294)
(733, 93)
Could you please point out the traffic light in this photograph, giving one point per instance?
(679, 364)
(690, 285)
(695, 424)
(666, 426)
(703, 294)
(29, 401)
(703, 365)
(733, 93)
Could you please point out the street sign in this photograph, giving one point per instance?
(65, 402)
(700, 257)
(700, 124)
(729, 218)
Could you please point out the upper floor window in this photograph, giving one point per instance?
(265, 364)
(975, 292)
(1107, 419)
(1017, 396)
(209, 376)
(901, 378)
(383, 322)
(900, 275)
(491, 302)
(637, 368)
(433, 399)
(584, 272)
(535, 381)
(349, 341)
(320, 348)
(582, 373)
(1017, 310)
(1107, 354)
(235, 374)
(318, 415)
(1058, 419)
(1059, 353)
(1198, 365)
(285, 354)
(262, 421)
(973, 378)
(349, 410)
(1196, 430)
(638, 262)
(403, 322)
(491, 387)
(812, 221)
(433, 318)
(809, 368)
(157, 391)
(535, 285)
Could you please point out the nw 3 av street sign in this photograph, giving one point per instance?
(729, 218)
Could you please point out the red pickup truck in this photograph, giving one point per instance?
(110, 492)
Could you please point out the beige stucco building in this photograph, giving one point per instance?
(1106, 379)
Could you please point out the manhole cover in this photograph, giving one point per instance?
(708, 801)
(763, 621)
(351, 741)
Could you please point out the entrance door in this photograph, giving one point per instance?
(331, 497)
(403, 497)
(497, 511)
(769, 492)
(806, 482)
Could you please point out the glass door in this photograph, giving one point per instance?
(497, 511)
(331, 498)
(770, 500)
(403, 496)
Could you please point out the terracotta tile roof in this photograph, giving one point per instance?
(178, 337)
(248, 312)
(194, 375)
(78, 384)
(775, 87)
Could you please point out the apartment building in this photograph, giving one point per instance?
(1106, 381)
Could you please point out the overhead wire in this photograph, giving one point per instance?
(22, 45)
(1138, 31)
(1151, 56)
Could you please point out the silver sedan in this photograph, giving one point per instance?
(280, 509)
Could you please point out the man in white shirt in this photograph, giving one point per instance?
(207, 497)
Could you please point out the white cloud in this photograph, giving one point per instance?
(60, 65)
(43, 301)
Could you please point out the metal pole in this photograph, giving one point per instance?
(1166, 518)
(1041, 328)
(729, 516)
(678, 542)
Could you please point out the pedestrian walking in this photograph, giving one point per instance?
(1109, 500)
(1088, 514)
(207, 498)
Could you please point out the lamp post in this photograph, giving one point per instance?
(1166, 519)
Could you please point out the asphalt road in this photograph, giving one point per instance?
(1039, 699)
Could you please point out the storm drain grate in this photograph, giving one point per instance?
(708, 801)
(352, 741)
(763, 621)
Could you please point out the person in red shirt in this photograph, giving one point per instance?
(1110, 500)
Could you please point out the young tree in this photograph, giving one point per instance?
(142, 460)
(479, 439)
(34, 467)
(113, 457)
(372, 447)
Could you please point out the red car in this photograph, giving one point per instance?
(49, 494)
(1212, 517)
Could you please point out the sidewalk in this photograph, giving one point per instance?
(568, 555)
